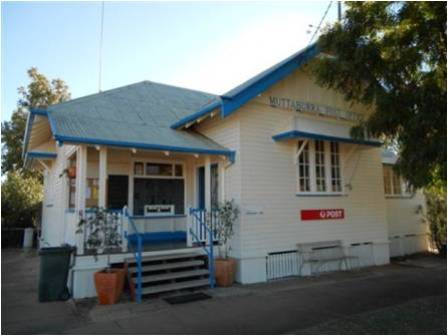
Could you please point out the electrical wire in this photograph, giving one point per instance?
(320, 23)
(100, 52)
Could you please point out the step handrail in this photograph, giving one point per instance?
(195, 212)
(137, 252)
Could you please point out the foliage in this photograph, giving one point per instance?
(435, 216)
(392, 55)
(39, 93)
(102, 229)
(21, 200)
(22, 189)
(223, 228)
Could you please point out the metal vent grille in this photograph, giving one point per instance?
(282, 264)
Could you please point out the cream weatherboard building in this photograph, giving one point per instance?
(278, 145)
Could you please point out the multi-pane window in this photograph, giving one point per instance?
(394, 185)
(336, 181)
(304, 167)
(387, 176)
(319, 167)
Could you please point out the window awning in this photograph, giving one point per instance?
(294, 134)
(312, 128)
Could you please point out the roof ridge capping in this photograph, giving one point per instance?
(111, 91)
(236, 97)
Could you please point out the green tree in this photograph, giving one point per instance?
(21, 199)
(435, 215)
(392, 55)
(39, 93)
(22, 190)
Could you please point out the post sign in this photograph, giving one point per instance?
(322, 214)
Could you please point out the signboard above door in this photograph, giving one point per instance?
(311, 108)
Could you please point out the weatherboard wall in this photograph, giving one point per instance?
(408, 233)
(265, 178)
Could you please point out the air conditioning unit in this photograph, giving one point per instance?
(159, 209)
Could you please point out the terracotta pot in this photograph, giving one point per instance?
(71, 172)
(225, 271)
(109, 285)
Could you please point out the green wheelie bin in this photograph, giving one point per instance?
(53, 273)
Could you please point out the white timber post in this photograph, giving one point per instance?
(222, 181)
(208, 198)
(207, 177)
(81, 181)
(125, 229)
(102, 177)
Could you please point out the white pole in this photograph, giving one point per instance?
(81, 180)
(207, 178)
(103, 177)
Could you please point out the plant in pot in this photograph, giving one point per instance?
(101, 233)
(70, 172)
(225, 266)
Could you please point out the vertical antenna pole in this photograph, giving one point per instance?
(339, 11)
(100, 53)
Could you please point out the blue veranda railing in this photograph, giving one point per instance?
(204, 235)
(137, 251)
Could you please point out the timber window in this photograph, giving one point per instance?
(394, 184)
(304, 167)
(319, 167)
(158, 185)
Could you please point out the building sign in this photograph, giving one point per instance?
(311, 108)
(322, 214)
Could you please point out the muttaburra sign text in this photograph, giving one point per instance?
(299, 106)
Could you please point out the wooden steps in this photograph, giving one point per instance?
(169, 273)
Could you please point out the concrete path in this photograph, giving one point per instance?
(366, 301)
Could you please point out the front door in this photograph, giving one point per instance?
(214, 186)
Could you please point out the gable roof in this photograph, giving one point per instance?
(135, 116)
(235, 98)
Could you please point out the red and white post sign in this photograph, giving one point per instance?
(321, 214)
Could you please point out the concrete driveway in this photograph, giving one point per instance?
(409, 297)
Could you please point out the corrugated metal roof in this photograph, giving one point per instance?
(140, 113)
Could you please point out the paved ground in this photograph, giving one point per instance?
(400, 298)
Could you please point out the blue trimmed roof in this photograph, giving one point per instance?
(238, 96)
(137, 115)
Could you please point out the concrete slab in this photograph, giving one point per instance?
(343, 302)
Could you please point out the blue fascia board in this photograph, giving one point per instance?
(138, 145)
(39, 111)
(29, 125)
(26, 138)
(201, 113)
(231, 104)
(41, 155)
(299, 134)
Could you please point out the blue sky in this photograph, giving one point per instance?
(208, 46)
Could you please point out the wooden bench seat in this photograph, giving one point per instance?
(319, 253)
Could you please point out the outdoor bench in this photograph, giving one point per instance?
(320, 253)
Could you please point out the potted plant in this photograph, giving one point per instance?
(70, 172)
(109, 283)
(225, 266)
(103, 233)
